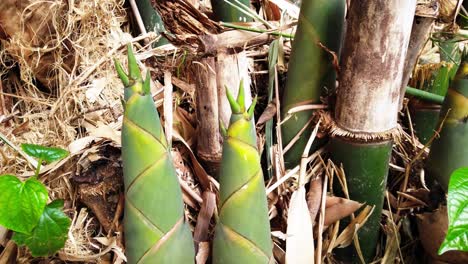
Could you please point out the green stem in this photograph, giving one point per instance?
(38, 168)
(274, 33)
(426, 96)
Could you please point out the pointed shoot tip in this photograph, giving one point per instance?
(133, 69)
(241, 96)
(147, 84)
(120, 71)
(251, 109)
(222, 128)
(235, 107)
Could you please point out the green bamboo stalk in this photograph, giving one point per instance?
(449, 51)
(155, 228)
(425, 120)
(367, 107)
(152, 20)
(366, 168)
(310, 71)
(242, 233)
(433, 80)
(450, 150)
(225, 11)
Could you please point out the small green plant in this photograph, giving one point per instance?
(457, 207)
(42, 227)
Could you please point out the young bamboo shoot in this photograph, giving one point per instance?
(155, 228)
(243, 231)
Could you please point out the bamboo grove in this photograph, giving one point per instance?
(364, 53)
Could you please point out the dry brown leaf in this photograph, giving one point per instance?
(392, 242)
(107, 132)
(110, 245)
(93, 92)
(279, 253)
(337, 208)
(80, 144)
(3, 235)
(203, 252)
(300, 240)
(183, 125)
(190, 192)
(432, 231)
(272, 11)
(197, 168)
(187, 198)
(184, 86)
(8, 254)
(347, 235)
(201, 233)
(448, 10)
(185, 20)
(268, 113)
(21, 128)
(314, 197)
(28, 31)
(291, 9)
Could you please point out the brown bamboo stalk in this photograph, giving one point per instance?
(422, 26)
(209, 142)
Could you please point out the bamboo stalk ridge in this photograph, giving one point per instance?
(242, 232)
(155, 228)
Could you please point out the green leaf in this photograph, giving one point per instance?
(46, 154)
(50, 233)
(21, 203)
(441, 81)
(457, 207)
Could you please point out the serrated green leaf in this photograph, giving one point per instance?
(21, 203)
(46, 154)
(457, 207)
(50, 233)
